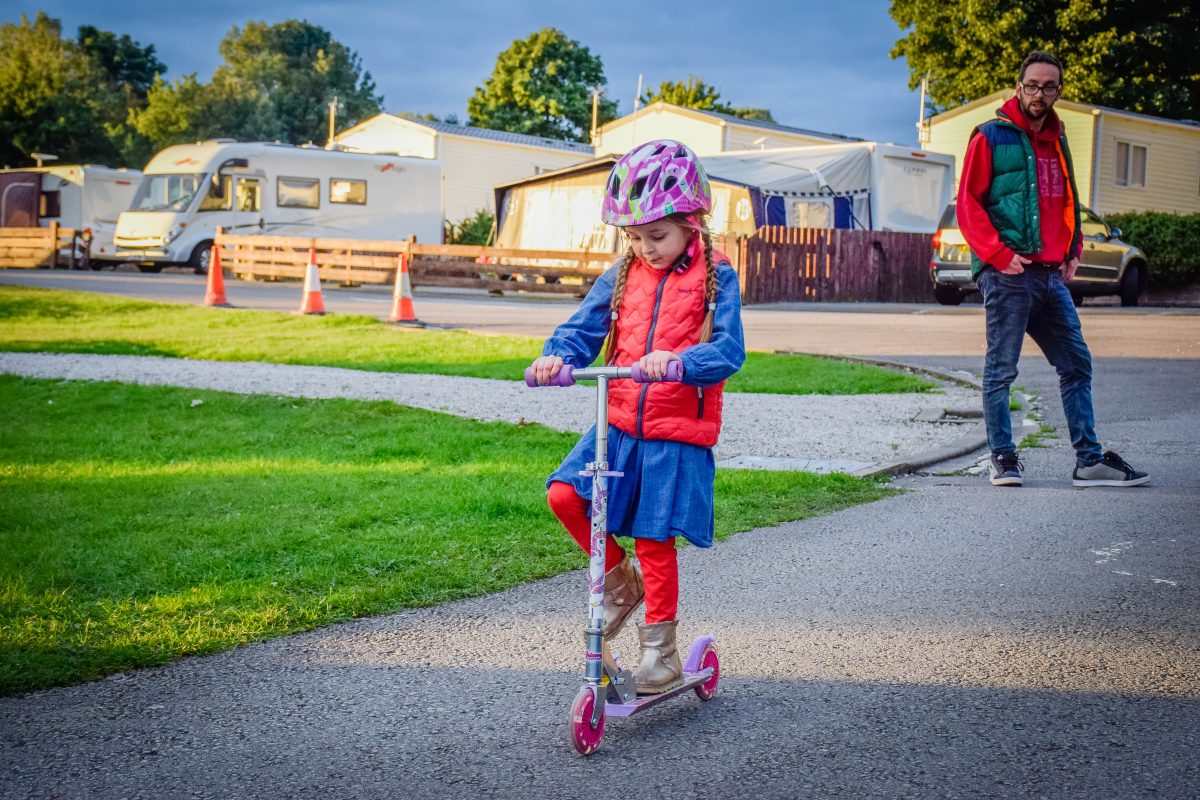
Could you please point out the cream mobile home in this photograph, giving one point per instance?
(188, 191)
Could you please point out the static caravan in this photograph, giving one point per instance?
(86, 197)
(188, 191)
(865, 186)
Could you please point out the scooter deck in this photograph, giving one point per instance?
(690, 681)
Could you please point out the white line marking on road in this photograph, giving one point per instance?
(1164, 580)
(1109, 552)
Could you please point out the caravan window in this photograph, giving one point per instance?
(223, 203)
(249, 194)
(50, 205)
(344, 190)
(297, 193)
(167, 192)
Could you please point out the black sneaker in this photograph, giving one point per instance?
(1006, 470)
(1108, 471)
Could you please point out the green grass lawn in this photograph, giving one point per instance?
(51, 320)
(137, 527)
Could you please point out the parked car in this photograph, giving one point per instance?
(1107, 266)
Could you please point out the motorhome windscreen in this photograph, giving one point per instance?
(168, 192)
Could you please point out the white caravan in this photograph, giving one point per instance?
(86, 197)
(188, 191)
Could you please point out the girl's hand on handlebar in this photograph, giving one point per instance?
(545, 368)
(654, 365)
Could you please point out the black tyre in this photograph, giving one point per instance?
(947, 295)
(1131, 286)
(1077, 299)
(201, 254)
(150, 267)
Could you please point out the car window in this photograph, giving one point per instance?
(949, 217)
(1091, 225)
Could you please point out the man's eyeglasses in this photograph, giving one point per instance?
(1049, 90)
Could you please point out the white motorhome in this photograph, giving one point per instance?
(188, 191)
(86, 197)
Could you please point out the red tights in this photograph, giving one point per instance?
(660, 570)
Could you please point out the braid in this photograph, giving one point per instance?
(610, 347)
(710, 281)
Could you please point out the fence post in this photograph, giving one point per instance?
(54, 244)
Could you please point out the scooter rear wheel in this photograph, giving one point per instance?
(708, 689)
(584, 737)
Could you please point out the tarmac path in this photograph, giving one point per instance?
(862, 329)
(956, 641)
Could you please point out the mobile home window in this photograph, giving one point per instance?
(297, 193)
(223, 203)
(1131, 164)
(345, 190)
(249, 194)
(50, 205)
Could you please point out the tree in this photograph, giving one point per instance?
(542, 85)
(276, 83)
(695, 93)
(1135, 56)
(51, 97)
(126, 63)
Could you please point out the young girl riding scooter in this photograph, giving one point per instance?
(671, 297)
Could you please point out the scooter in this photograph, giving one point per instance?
(609, 690)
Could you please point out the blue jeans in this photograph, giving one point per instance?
(1035, 302)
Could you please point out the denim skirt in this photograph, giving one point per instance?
(666, 489)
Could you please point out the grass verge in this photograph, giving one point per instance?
(58, 321)
(137, 526)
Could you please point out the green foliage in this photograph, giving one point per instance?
(81, 322)
(1171, 243)
(542, 86)
(177, 528)
(1123, 53)
(63, 97)
(275, 84)
(475, 229)
(695, 93)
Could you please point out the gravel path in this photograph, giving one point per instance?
(839, 429)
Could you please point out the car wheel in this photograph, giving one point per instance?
(947, 295)
(149, 267)
(201, 254)
(1077, 299)
(1131, 286)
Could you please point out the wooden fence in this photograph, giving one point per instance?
(30, 248)
(775, 265)
(353, 261)
(803, 264)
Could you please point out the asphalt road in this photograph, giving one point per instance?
(864, 329)
(956, 641)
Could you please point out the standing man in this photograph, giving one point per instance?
(1018, 209)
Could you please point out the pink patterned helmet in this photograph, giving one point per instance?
(655, 180)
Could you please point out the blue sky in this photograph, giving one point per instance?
(818, 65)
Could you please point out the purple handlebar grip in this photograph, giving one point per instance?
(565, 377)
(674, 373)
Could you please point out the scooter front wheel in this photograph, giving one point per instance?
(584, 736)
(709, 658)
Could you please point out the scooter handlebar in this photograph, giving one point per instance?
(674, 374)
(567, 375)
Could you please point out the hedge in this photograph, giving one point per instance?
(1171, 243)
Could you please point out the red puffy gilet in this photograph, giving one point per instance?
(668, 305)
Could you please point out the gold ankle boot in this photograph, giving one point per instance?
(623, 593)
(658, 669)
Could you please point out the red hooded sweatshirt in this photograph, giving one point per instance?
(1054, 194)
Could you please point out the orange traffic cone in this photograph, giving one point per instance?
(312, 303)
(402, 304)
(214, 293)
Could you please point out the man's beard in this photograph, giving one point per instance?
(1034, 115)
